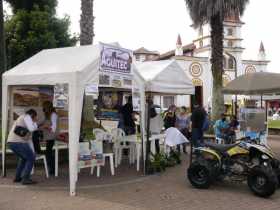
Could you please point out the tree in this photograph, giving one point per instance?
(214, 13)
(86, 22)
(86, 38)
(2, 49)
(28, 5)
(2, 40)
(28, 31)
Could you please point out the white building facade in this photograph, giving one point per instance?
(196, 62)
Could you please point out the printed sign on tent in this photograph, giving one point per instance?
(115, 59)
(60, 96)
(91, 89)
(115, 67)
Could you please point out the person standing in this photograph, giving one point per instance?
(197, 118)
(128, 120)
(50, 131)
(156, 124)
(182, 124)
(19, 140)
(170, 117)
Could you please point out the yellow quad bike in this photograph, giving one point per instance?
(237, 162)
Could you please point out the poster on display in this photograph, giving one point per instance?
(91, 89)
(97, 151)
(85, 157)
(46, 94)
(62, 120)
(136, 102)
(60, 99)
(108, 105)
(26, 97)
(115, 67)
(127, 82)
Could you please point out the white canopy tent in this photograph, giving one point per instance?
(74, 66)
(160, 78)
(77, 67)
(165, 77)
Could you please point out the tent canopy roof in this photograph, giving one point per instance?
(60, 65)
(59, 60)
(165, 77)
(254, 84)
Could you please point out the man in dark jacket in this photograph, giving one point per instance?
(127, 114)
(197, 118)
(170, 117)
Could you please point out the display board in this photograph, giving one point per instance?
(27, 97)
(60, 99)
(252, 119)
(115, 78)
(108, 105)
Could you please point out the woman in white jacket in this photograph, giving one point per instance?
(156, 124)
(19, 140)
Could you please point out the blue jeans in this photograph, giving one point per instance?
(26, 159)
(197, 137)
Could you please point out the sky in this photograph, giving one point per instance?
(155, 24)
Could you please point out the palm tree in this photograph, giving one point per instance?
(214, 12)
(86, 22)
(86, 38)
(2, 49)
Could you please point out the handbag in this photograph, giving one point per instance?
(21, 131)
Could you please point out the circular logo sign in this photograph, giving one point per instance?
(195, 69)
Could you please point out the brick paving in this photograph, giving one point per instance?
(129, 190)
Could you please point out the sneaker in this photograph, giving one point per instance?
(28, 182)
(17, 180)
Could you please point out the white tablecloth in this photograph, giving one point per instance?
(174, 137)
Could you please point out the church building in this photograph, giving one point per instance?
(194, 58)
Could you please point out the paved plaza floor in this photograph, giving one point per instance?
(130, 190)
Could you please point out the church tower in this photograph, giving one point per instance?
(262, 54)
(233, 49)
(179, 47)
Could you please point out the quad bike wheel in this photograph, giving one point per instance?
(262, 181)
(200, 174)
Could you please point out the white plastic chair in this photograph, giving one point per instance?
(219, 140)
(120, 145)
(104, 156)
(99, 133)
(39, 157)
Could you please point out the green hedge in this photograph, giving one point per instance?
(275, 124)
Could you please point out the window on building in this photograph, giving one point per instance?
(225, 62)
(231, 63)
(200, 31)
(137, 57)
(230, 32)
(230, 43)
(168, 100)
(200, 43)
